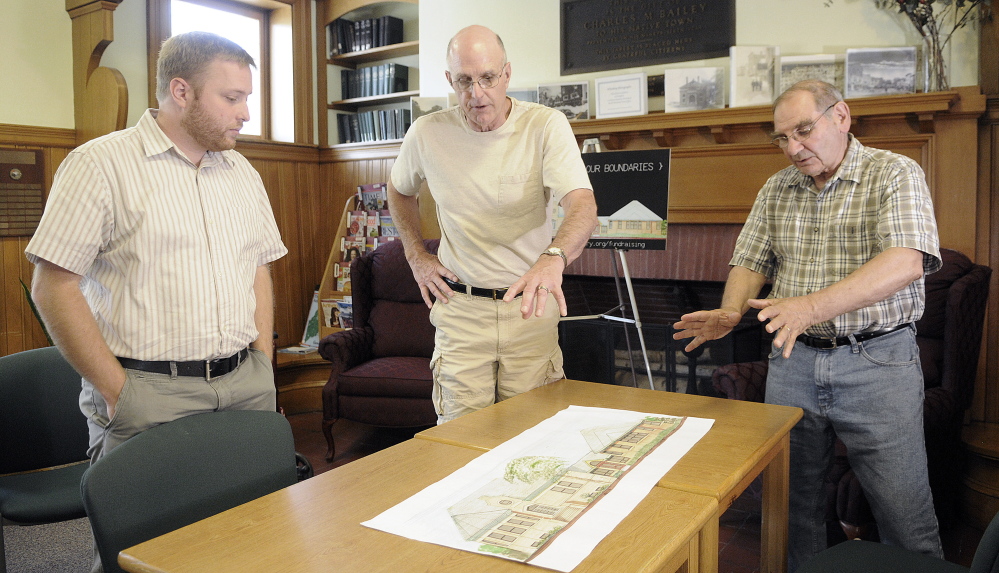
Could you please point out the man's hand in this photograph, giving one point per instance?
(788, 318)
(541, 282)
(705, 325)
(429, 272)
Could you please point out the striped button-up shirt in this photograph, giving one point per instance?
(168, 251)
(806, 239)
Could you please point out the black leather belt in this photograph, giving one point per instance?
(827, 343)
(493, 293)
(206, 369)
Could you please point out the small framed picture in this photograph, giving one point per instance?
(571, 99)
(620, 96)
(694, 88)
(523, 94)
(753, 72)
(880, 71)
(826, 67)
(423, 105)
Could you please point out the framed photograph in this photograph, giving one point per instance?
(620, 96)
(423, 105)
(694, 88)
(753, 75)
(826, 67)
(523, 94)
(571, 99)
(880, 71)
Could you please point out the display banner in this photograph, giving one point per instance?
(632, 192)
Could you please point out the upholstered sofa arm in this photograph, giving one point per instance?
(741, 381)
(347, 349)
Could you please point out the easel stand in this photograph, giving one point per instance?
(623, 318)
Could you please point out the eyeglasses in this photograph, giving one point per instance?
(800, 134)
(485, 82)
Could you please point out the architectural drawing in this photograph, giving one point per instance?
(518, 525)
(550, 494)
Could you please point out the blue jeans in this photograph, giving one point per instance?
(870, 395)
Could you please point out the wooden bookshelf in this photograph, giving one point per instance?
(327, 287)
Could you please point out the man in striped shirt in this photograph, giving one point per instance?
(151, 259)
(846, 234)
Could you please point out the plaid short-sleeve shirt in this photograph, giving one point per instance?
(805, 239)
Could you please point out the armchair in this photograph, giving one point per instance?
(381, 367)
(949, 336)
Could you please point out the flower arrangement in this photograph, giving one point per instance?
(936, 28)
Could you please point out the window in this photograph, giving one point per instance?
(247, 26)
(277, 33)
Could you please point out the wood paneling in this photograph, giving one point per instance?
(18, 328)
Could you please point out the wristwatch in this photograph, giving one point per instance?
(557, 252)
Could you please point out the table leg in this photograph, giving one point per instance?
(706, 559)
(773, 531)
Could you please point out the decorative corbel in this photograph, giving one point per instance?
(662, 137)
(925, 120)
(611, 141)
(100, 96)
(720, 133)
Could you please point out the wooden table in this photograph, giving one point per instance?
(315, 526)
(747, 439)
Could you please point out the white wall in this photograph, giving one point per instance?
(37, 64)
(530, 30)
(37, 73)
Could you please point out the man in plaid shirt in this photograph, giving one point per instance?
(846, 235)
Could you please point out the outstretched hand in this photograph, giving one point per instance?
(706, 325)
(788, 317)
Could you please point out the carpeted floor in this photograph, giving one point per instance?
(65, 547)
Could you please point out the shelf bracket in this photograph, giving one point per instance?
(611, 142)
(720, 133)
(662, 137)
(925, 120)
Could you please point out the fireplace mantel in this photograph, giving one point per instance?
(721, 158)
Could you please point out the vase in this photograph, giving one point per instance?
(935, 66)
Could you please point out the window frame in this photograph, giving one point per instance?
(158, 30)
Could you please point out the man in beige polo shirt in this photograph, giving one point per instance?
(495, 167)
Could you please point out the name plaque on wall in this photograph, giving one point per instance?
(602, 35)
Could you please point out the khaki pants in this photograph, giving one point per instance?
(149, 400)
(484, 352)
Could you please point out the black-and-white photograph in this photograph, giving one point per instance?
(880, 71)
(423, 105)
(571, 99)
(753, 75)
(826, 67)
(523, 94)
(694, 88)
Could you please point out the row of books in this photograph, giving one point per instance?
(374, 125)
(382, 79)
(345, 36)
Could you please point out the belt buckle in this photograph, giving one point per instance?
(208, 370)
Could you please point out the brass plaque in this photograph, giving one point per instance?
(21, 201)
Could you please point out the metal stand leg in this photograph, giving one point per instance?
(638, 320)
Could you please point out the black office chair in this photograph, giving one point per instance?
(183, 471)
(41, 428)
(871, 557)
